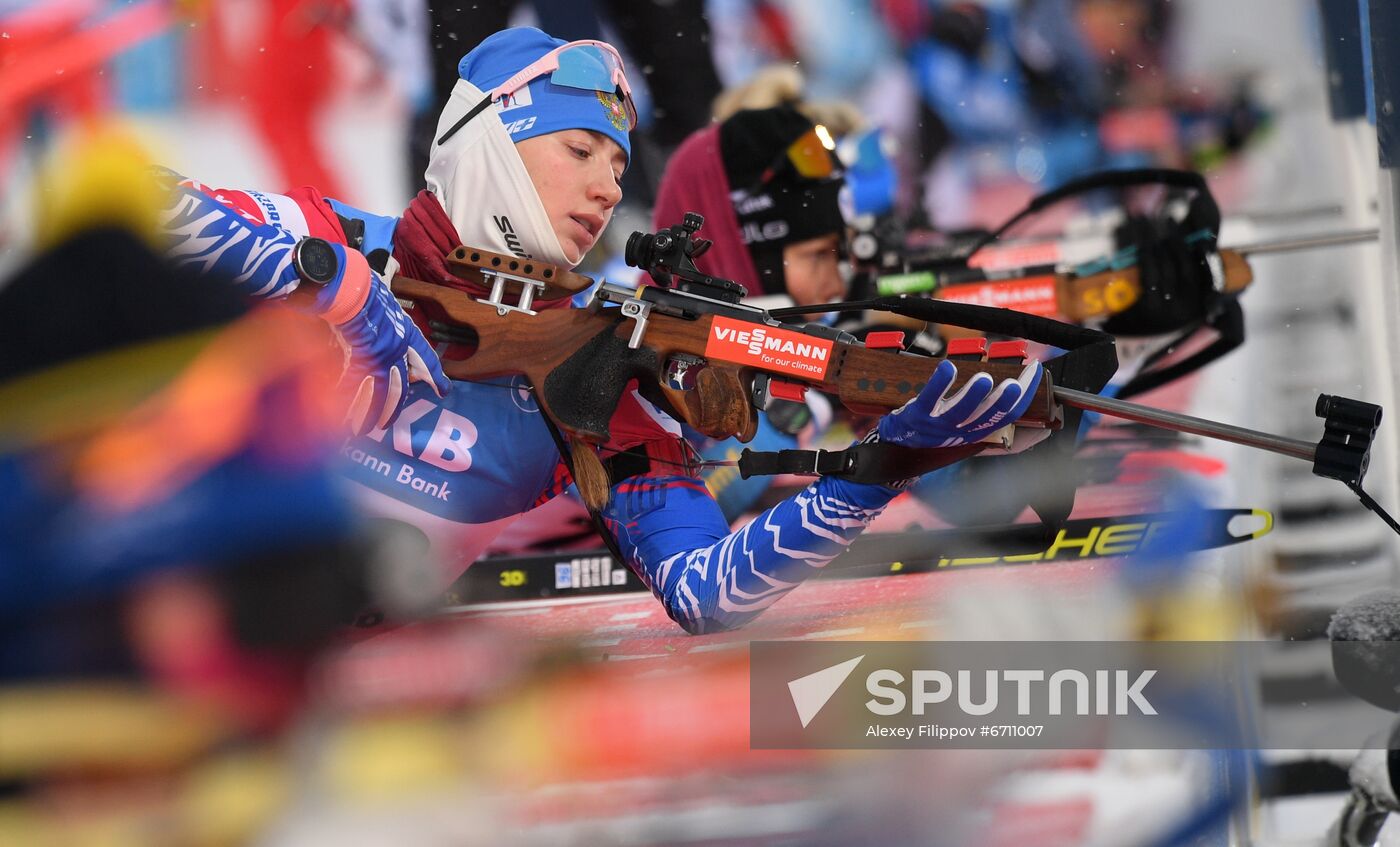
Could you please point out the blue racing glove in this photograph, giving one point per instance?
(933, 419)
(385, 351)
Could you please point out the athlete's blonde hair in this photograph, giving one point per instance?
(778, 85)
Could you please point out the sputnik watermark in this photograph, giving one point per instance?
(811, 692)
(1064, 689)
(990, 694)
(933, 730)
(930, 687)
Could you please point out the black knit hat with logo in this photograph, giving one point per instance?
(786, 207)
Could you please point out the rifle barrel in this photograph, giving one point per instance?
(1288, 245)
(1330, 210)
(1185, 423)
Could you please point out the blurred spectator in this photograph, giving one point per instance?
(172, 518)
(840, 45)
(290, 80)
(283, 74)
(395, 32)
(53, 63)
(1017, 94)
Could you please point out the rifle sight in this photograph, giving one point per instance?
(668, 256)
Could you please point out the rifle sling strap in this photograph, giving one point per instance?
(1228, 322)
(1105, 179)
(872, 463)
(802, 462)
(566, 455)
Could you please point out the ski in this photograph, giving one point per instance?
(589, 573)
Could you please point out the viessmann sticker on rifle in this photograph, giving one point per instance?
(1033, 295)
(767, 347)
(993, 258)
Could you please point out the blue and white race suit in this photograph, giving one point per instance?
(464, 466)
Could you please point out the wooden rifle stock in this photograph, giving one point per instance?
(1107, 293)
(579, 362)
(1076, 298)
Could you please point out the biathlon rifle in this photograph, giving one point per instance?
(1088, 291)
(691, 345)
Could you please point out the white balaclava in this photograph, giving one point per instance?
(482, 184)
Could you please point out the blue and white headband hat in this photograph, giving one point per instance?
(571, 85)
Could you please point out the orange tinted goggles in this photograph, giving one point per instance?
(811, 156)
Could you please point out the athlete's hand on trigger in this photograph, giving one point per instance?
(385, 350)
(979, 408)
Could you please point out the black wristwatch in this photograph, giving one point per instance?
(315, 260)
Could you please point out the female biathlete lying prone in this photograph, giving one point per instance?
(527, 158)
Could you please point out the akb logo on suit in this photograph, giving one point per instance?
(447, 448)
(449, 445)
